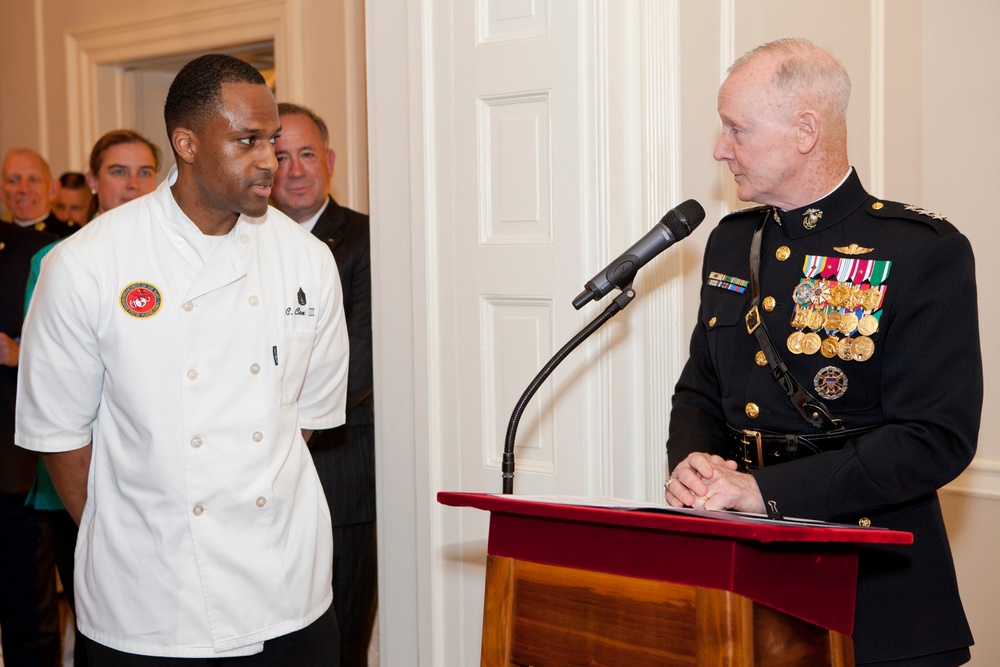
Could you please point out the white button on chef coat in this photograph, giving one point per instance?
(190, 551)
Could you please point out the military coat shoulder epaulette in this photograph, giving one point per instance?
(743, 213)
(881, 208)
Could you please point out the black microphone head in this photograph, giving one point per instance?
(683, 219)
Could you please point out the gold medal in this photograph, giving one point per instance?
(839, 294)
(855, 298)
(794, 342)
(844, 349)
(833, 319)
(849, 324)
(800, 318)
(810, 343)
(873, 296)
(816, 320)
(868, 325)
(829, 347)
(862, 348)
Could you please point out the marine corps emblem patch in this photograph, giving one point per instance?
(140, 300)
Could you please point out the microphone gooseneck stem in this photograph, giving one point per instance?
(507, 465)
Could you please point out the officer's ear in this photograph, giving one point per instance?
(184, 142)
(807, 130)
(331, 158)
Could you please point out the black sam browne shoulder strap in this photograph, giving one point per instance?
(807, 405)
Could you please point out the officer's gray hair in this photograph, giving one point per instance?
(804, 67)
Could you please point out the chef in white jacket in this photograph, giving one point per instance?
(177, 354)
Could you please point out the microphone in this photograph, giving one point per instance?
(677, 224)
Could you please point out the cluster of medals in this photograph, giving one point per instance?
(837, 307)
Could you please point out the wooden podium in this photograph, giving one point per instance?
(577, 585)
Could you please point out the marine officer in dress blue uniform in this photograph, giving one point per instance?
(835, 369)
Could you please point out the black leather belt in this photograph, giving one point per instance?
(757, 449)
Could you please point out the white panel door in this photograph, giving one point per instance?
(512, 145)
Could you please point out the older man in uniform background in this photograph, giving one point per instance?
(29, 615)
(28, 191)
(835, 370)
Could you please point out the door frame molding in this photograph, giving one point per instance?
(97, 55)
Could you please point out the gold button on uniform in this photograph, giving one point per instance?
(769, 303)
(711, 322)
(782, 253)
(760, 358)
(878, 205)
(865, 522)
(752, 410)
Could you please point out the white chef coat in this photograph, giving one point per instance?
(206, 531)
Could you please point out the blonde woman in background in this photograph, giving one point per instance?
(123, 166)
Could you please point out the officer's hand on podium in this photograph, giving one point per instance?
(707, 481)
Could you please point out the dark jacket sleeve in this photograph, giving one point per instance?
(358, 312)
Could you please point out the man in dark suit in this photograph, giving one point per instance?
(29, 616)
(28, 192)
(344, 456)
(835, 369)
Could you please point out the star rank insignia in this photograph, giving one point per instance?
(924, 211)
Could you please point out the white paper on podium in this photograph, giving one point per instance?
(608, 502)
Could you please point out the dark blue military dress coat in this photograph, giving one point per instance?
(851, 266)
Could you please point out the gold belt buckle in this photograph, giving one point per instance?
(746, 452)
